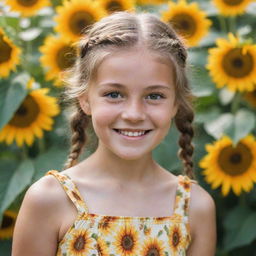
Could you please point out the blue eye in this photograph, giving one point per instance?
(156, 96)
(113, 95)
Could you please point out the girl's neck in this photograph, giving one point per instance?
(107, 165)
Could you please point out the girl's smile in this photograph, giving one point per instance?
(131, 102)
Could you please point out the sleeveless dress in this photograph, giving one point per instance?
(104, 235)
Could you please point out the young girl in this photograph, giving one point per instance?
(129, 82)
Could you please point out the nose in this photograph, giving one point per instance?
(134, 111)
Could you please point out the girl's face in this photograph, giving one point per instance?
(131, 102)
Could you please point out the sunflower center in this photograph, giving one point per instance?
(7, 222)
(79, 20)
(184, 24)
(26, 114)
(127, 242)
(114, 6)
(175, 238)
(237, 64)
(152, 252)
(79, 243)
(5, 50)
(235, 160)
(27, 2)
(233, 2)
(65, 57)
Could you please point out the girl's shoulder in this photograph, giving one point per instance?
(46, 196)
(202, 208)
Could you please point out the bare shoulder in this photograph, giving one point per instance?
(201, 200)
(45, 195)
(202, 220)
(38, 219)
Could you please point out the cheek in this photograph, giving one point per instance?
(102, 115)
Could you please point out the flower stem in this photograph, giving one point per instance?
(223, 24)
(232, 24)
(235, 103)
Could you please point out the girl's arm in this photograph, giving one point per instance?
(36, 228)
(202, 223)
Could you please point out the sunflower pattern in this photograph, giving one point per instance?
(96, 234)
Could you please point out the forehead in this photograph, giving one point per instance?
(135, 66)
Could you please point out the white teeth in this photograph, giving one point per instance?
(132, 134)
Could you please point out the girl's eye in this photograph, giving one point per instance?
(113, 95)
(156, 96)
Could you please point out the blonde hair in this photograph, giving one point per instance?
(120, 31)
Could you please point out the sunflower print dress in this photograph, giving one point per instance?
(104, 235)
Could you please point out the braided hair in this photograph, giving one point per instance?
(120, 31)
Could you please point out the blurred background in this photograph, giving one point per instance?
(37, 44)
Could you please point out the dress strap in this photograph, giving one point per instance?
(183, 196)
(71, 190)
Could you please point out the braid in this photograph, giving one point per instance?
(115, 39)
(183, 121)
(79, 121)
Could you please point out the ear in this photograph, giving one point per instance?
(84, 104)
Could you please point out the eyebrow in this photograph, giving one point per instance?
(151, 87)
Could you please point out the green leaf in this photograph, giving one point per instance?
(20, 179)
(11, 96)
(246, 234)
(217, 128)
(52, 159)
(243, 123)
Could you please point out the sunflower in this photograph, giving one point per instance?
(231, 7)
(126, 240)
(32, 117)
(250, 97)
(233, 64)
(117, 5)
(102, 247)
(27, 7)
(75, 15)
(152, 246)
(188, 20)
(151, 2)
(107, 224)
(176, 239)
(58, 55)
(7, 226)
(230, 166)
(9, 55)
(80, 243)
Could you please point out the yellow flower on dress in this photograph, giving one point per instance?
(58, 55)
(9, 55)
(152, 246)
(232, 167)
(75, 15)
(107, 224)
(231, 7)
(81, 242)
(126, 240)
(188, 20)
(27, 7)
(250, 97)
(102, 247)
(32, 117)
(233, 64)
(176, 240)
(7, 226)
(151, 2)
(117, 5)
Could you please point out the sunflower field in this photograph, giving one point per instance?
(37, 44)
